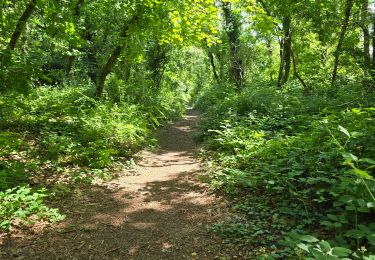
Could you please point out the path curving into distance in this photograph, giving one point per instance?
(159, 210)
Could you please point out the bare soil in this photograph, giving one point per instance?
(159, 210)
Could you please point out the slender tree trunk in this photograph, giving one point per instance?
(107, 68)
(373, 44)
(233, 31)
(306, 88)
(366, 35)
(366, 48)
(157, 58)
(92, 59)
(372, 68)
(281, 67)
(21, 24)
(287, 48)
(285, 52)
(213, 65)
(127, 71)
(69, 64)
(344, 28)
(221, 65)
(71, 59)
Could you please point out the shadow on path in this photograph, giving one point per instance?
(159, 211)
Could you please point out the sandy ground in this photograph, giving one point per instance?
(159, 210)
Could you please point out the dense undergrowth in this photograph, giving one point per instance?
(56, 136)
(300, 167)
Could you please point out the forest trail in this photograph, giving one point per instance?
(159, 210)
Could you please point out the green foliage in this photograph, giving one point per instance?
(69, 128)
(312, 157)
(309, 247)
(21, 205)
(308, 144)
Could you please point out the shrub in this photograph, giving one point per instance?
(24, 206)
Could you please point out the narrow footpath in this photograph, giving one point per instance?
(159, 210)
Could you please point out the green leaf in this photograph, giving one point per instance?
(341, 251)
(363, 174)
(325, 246)
(343, 130)
(371, 239)
(367, 160)
(287, 243)
(349, 157)
(304, 247)
(309, 239)
(318, 254)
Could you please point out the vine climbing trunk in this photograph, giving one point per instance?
(21, 24)
(233, 25)
(344, 28)
(285, 52)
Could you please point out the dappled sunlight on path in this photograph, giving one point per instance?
(156, 211)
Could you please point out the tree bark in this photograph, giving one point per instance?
(107, 68)
(71, 58)
(281, 67)
(221, 65)
(213, 65)
(287, 48)
(285, 52)
(21, 24)
(373, 43)
(344, 28)
(233, 31)
(157, 58)
(366, 35)
(307, 89)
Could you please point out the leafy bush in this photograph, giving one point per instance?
(24, 206)
(313, 157)
(69, 127)
(65, 133)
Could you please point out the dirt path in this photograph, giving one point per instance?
(157, 211)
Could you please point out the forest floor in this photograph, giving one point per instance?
(158, 210)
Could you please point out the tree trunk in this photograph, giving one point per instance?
(287, 48)
(344, 28)
(373, 44)
(221, 65)
(157, 58)
(306, 88)
(281, 67)
(213, 65)
(20, 27)
(233, 31)
(285, 52)
(366, 35)
(71, 58)
(107, 68)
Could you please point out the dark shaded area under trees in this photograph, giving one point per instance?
(285, 88)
